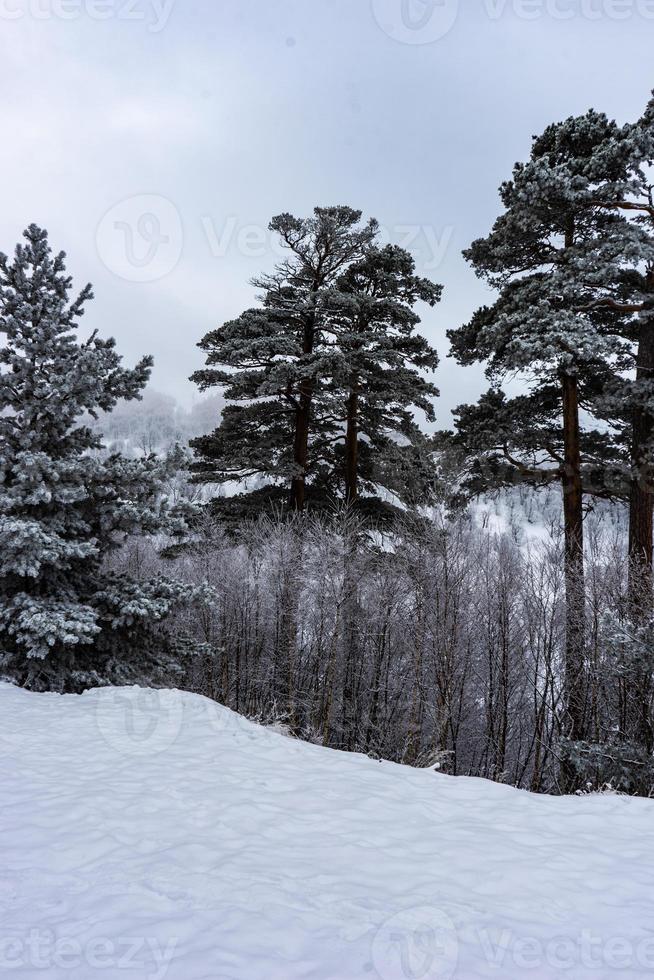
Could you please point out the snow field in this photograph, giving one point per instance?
(154, 834)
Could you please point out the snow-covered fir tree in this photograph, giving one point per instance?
(66, 621)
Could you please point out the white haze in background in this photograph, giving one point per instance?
(156, 423)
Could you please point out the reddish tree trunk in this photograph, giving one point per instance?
(575, 671)
(301, 445)
(352, 446)
(638, 687)
(641, 508)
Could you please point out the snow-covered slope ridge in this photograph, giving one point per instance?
(150, 834)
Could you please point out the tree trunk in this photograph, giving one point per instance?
(575, 672)
(414, 728)
(641, 505)
(350, 637)
(638, 686)
(303, 415)
(301, 445)
(352, 445)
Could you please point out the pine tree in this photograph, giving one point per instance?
(323, 377)
(376, 377)
(630, 304)
(271, 359)
(66, 621)
(627, 403)
(553, 254)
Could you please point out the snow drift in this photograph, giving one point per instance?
(150, 834)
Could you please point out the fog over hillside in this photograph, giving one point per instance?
(156, 423)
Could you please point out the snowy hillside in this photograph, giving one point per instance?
(154, 834)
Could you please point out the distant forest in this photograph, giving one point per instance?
(156, 424)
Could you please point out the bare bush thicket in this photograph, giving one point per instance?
(440, 646)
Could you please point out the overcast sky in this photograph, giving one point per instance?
(156, 138)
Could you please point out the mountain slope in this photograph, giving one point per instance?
(155, 834)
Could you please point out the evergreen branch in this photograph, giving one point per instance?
(625, 206)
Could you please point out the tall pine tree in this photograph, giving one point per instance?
(630, 306)
(271, 358)
(552, 255)
(324, 376)
(377, 375)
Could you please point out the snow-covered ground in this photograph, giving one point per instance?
(155, 835)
